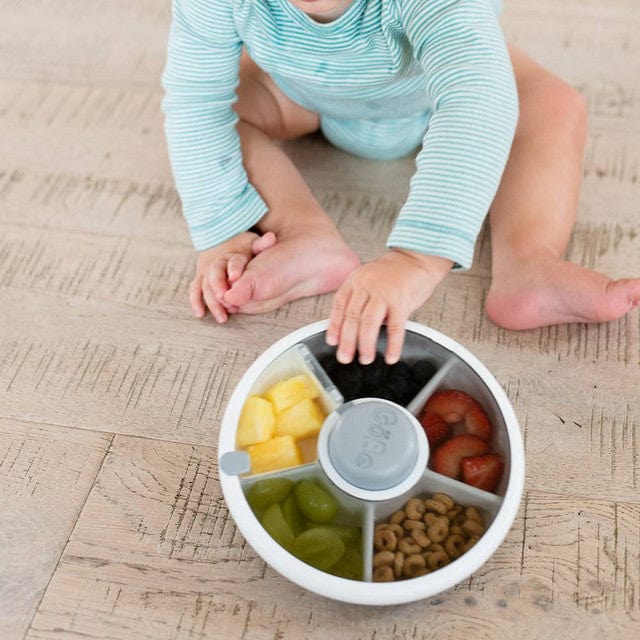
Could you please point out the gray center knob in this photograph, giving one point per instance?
(373, 444)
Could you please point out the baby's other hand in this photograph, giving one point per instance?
(217, 268)
(385, 291)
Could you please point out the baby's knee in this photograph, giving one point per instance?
(567, 106)
(549, 103)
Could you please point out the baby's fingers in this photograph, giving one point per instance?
(195, 298)
(395, 337)
(338, 307)
(371, 319)
(217, 310)
(216, 278)
(351, 326)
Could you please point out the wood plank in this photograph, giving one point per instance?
(155, 554)
(112, 43)
(46, 472)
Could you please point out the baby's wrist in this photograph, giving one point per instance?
(437, 265)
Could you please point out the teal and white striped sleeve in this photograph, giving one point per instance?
(200, 79)
(471, 86)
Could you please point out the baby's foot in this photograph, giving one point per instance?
(550, 291)
(303, 262)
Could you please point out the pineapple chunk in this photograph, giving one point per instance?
(301, 420)
(256, 422)
(277, 453)
(291, 391)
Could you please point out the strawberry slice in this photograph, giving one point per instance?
(446, 460)
(483, 471)
(436, 428)
(455, 406)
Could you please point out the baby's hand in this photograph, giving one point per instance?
(387, 291)
(217, 268)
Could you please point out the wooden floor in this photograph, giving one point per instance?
(112, 524)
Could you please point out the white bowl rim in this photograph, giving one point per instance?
(371, 593)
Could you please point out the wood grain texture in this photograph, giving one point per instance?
(110, 393)
(46, 473)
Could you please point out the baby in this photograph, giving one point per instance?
(379, 78)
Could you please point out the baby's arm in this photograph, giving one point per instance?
(471, 86)
(200, 79)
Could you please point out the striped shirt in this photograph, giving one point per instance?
(380, 59)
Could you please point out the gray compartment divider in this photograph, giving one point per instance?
(319, 372)
(368, 524)
(417, 403)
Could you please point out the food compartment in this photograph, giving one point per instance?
(465, 428)
(420, 361)
(284, 410)
(311, 519)
(428, 528)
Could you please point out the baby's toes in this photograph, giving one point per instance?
(241, 290)
(263, 242)
(236, 265)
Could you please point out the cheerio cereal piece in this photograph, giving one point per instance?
(421, 538)
(439, 530)
(413, 565)
(435, 505)
(444, 498)
(472, 528)
(384, 539)
(410, 525)
(415, 509)
(383, 558)
(454, 546)
(383, 574)
(472, 513)
(408, 546)
(436, 559)
(398, 563)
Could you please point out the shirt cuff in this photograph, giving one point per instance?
(434, 240)
(237, 217)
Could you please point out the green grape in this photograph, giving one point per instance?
(293, 516)
(273, 521)
(350, 565)
(264, 493)
(321, 548)
(348, 535)
(317, 504)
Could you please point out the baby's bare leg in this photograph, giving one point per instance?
(534, 211)
(309, 256)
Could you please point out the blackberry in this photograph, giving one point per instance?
(423, 371)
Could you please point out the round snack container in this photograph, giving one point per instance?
(372, 455)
